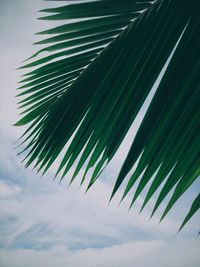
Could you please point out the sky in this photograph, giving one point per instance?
(45, 223)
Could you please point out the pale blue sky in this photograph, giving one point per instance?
(42, 222)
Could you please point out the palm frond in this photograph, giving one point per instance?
(113, 56)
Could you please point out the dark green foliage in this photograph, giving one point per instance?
(113, 55)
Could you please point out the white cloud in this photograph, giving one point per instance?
(8, 190)
(55, 226)
(141, 254)
(154, 253)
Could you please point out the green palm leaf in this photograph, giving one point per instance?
(93, 84)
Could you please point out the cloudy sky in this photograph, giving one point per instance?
(42, 222)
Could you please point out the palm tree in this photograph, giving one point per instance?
(103, 64)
